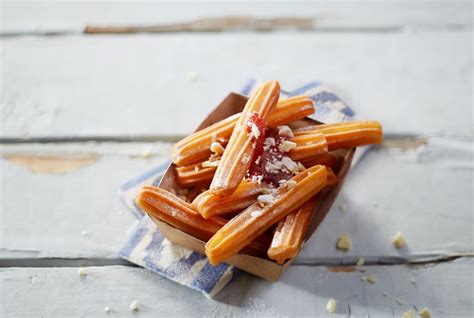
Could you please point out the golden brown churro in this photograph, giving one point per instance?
(249, 129)
(348, 134)
(208, 204)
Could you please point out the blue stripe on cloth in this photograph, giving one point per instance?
(324, 97)
(304, 88)
(133, 241)
(209, 276)
(248, 87)
(193, 258)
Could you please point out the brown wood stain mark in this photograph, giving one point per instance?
(405, 143)
(211, 24)
(49, 164)
(342, 269)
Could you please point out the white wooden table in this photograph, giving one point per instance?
(78, 111)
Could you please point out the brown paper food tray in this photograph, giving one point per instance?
(262, 267)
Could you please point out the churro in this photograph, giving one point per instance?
(171, 209)
(289, 234)
(348, 134)
(208, 204)
(248, 132)
(255, 220)
(197, 146)
(326, 159)
(196, 173)
(310, 144)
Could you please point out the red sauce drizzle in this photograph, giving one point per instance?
(270, 154)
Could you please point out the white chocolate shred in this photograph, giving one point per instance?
(285, 131)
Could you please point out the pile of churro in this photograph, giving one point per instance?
(251, 182)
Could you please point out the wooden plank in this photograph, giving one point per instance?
(138, 85)
(53, 16)
(445, 288)
(73, 212)
(423, 192)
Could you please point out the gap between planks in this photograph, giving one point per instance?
(391, 138)
(333, 265)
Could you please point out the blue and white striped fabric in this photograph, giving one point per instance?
(148, 248)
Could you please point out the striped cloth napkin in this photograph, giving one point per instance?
(147, 247)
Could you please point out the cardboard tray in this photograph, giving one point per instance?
(262, 267)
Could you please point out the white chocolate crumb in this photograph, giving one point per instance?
(398, 301)
(208, 164)
(286, 146)
(291, 184)
(146, 153)
(260, 204)
(372, 279)
(301, 167)
(217, 148)
(413, 281)
(289, 164)
(84, 233)
(107, 309)
(331, 306)
(257, 161)
(343, 207)
(196, 169)
(425, 313)
(269, 141)
(360, 261)
(344, 243)
(134, 306)
(399, 240)
(257, 179)
(245, 158)
(409, 314)
(272, 167)
(255, 214)
(385, 294)
(82, 272)
(266, 191)
(255, 131)
(285, 131)
(265, 198)
(192, 76)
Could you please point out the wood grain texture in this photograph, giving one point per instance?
(52, 17)
(137, 85)
(76, 214)
(304, 291)
(423, 192)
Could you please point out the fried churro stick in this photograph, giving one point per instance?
(209, 204)
(169, 208)
(310, 144)
(289, 234)
(348, 134)
(255, 220)
(248, 130)
(195, 173)
(326, 159)
(197, 146)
